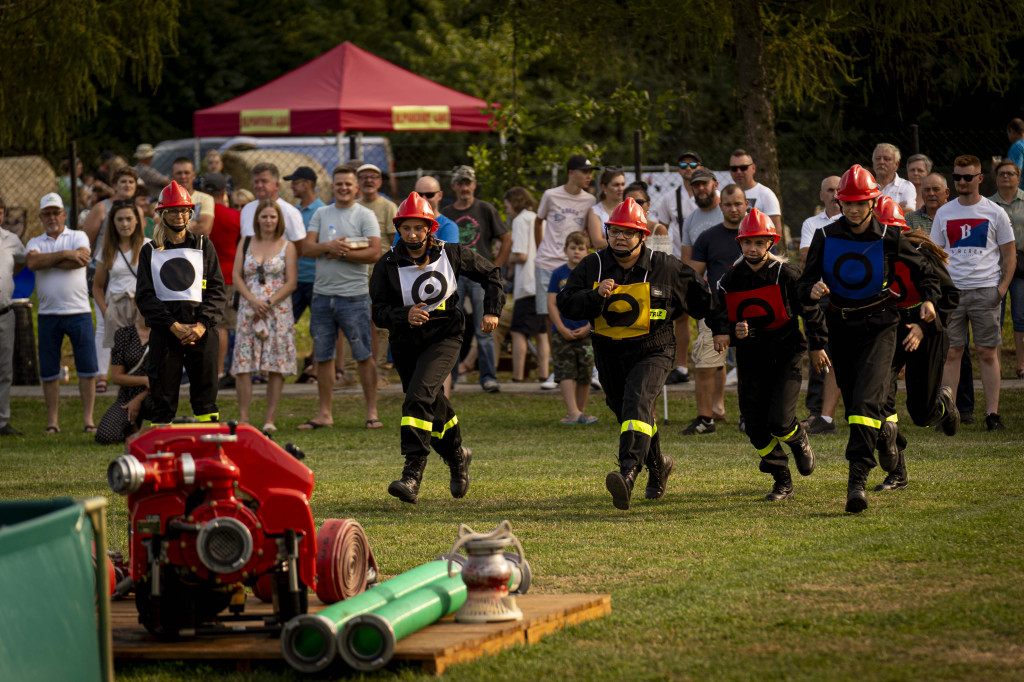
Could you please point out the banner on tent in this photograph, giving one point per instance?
(421, 117)
(252, 121)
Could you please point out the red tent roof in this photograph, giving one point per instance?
(346, 88)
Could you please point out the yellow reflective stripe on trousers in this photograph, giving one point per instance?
(451, 422)
(864, 421)
(212, 417)
(892, 418)
(417, 423)
(791, 433)
(766, 450)
(637, 425)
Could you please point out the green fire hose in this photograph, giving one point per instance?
(367, 641)
(308, 641)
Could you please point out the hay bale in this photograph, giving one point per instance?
(239, 165)
(23, 182)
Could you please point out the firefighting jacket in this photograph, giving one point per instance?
(160, 295)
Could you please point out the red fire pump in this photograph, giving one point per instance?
(214, 508)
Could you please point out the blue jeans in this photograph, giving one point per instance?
(484, 341)
(52, 330)
(350, 315)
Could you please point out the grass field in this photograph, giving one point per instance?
(710, 583)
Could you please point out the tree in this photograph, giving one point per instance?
(58, 57)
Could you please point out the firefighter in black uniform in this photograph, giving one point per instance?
(853, 261)
(758, 307)
(920, 346)
(414, 292)
(180, 292)
(631, 295)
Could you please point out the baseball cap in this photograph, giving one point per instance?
(366, 167)
(694, 155)
(579, 162)
(304, 173)
(51, 200)
(144, 151)
(214, 183)
(463, 173)
(702, 175)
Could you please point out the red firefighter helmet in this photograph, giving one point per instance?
(416, 206)
(629, 214)
(857, 184)
(174, 195)
(888, 212)
(757, 224)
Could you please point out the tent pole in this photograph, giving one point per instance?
(196, 151)
(341, 148)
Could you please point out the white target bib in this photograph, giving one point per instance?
(431, 285)
(178, 275)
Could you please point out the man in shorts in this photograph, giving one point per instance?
(344, 237)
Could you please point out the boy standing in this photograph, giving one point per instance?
(570, 339)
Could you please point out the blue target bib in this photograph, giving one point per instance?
(854, 270)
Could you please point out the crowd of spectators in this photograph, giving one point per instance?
(279, 260)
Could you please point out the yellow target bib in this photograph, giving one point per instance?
(626, 313)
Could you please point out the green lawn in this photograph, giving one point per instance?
(710, 583)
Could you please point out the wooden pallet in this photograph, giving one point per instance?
(435, 647)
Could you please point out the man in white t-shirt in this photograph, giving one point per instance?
(886, 160)
(822, 390)
(344, 237)
(266, 183)
(673, 208)
(829, 213)
(563, 209)
(742, 169)
(59, 257)
(975, 232)
(183, 172)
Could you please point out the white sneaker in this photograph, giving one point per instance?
(595, 383)
(730, 378)
(549, 384)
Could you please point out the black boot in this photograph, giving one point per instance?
(897, 478)
(888, 449)
(620, 485)
(856, 501)
(950, 415)
(803, 455)
(658, 470)
(783, 488)
(407, 488)
(458, 463)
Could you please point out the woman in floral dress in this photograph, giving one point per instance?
(266, 274)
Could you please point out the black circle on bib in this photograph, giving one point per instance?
(177, 274)
(430, 288)
(869, 270)
(764, 319)
(621, 319)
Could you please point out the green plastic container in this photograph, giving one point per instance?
(49, 631)
(308, 641)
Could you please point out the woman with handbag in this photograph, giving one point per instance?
(117, 269)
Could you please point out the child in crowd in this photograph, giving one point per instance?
(571, 351)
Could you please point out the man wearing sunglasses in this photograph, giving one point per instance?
(975, 232)
(742, 169)
(429, 188)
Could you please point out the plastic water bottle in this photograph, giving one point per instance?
(332, 233)
(65, 374)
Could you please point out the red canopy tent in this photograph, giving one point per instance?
(346, 88)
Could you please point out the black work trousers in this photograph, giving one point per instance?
(632, 379)
(428, 419)
(862, 350)
(769, 388)
(166, 358)
(923, 377)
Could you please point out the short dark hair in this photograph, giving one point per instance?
(1007, 162)
(732, 188)
(344, 170)
(183, 159)
(577, 237)
(122, 171)
(742, 152)
(266, 168)
(1015, 125)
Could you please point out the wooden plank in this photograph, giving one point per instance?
(434, 648)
